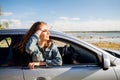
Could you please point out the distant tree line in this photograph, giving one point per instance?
(5, 24)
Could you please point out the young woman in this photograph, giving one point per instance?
(37, 43)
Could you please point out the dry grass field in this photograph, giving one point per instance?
(108, 45)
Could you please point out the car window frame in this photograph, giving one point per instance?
(78, 45)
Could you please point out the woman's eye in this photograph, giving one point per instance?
(44, 31)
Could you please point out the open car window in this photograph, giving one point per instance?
(74, 54)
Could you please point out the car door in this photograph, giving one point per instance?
(11, 73)
(88, 69)
(81, 72)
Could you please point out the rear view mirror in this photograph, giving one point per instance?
(105, 61)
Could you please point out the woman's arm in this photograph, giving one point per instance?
(32, 48)
(31, 44)
(56, 57)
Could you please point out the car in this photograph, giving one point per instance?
(93, 63)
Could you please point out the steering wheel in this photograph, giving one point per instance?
(67, 54)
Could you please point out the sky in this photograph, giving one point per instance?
(63, 15)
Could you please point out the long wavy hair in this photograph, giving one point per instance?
(21, 46)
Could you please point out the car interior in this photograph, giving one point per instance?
(71, 53)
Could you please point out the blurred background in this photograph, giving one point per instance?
(95, 21)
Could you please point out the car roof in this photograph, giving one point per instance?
(13, 31)
(21, 32)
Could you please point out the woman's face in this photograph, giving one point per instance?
(45, 33)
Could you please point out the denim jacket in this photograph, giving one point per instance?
(50, 55)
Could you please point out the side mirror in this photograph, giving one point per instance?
(105, 61)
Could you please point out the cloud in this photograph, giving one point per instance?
(13, 23)
(67, 18)
(17, 24)
(3, 20)
(90, 25)
(75, 19)
(7, 13)
(70, 25)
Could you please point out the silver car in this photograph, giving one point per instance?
(93, 63)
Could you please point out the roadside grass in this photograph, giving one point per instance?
(108, 45)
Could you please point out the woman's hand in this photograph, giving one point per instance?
(43, 28)
(38, 32)
(32, 65)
